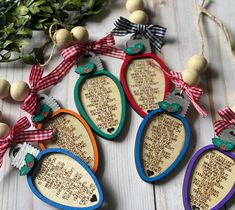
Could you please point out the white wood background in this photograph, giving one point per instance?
(123, 189)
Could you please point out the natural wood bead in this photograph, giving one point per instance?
(233, 108)
(19, 90)
(132, 5)
(62, 38)
(4, 130)
(4, 88)
(198, 63)
(0, 116)
(80, 35)
(191, 77)
(139, 17)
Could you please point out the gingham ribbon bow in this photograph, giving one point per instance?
(19, 135)
(104, 46)
(37, 83)
(227, 119)
(193, 93)
(154, 33)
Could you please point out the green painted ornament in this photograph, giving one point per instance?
(43, 113)
(137, 49)
(29, 163)
(223, 145)
(174, 107)
(86, 69)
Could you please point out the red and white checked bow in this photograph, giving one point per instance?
(227, 118)
(104, 46)
(19, 135)
(37, 83)
(193, 93)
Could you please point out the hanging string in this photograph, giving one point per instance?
(203, 11)
(51, 33)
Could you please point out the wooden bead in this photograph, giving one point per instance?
(191, 77)
(19, 90)
(80, 35)
(4, 130)
(233, 108)
(4, 88)
(139, 17)
(0, 116)
(62, 38)
(132, 5)
(198, 63)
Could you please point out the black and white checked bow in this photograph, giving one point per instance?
(154, 33)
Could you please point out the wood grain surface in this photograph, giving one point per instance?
(123, 188)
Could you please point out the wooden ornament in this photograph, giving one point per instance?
(62, 38)
(197, 63)
(209, 180)
(139, 17)
(4, 88)
(64, 181)
(19, 90)
(144, 82)
(132, 5)
(191, 77)
(100, 99)
(73, 134)
(80, 35)
(161, 142)
(4, 130)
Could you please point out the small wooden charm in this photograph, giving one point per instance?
(100, 98)
(71, 132)
(209, 180)
(64, 181)
(142, 77)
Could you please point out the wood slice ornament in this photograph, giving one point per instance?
(99, 97)
(59, 178)
(71, 132)
(210, 176)
(142, 77)
(162, 140)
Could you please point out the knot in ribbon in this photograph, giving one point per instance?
(104, 46)
(19, 135)
(193, 93)
(154, 33)
(227, 119)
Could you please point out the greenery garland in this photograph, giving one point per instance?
(18, 20)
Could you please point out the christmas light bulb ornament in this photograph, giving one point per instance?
(19, 90)
(4, 88)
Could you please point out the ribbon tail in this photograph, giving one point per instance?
(199, 109)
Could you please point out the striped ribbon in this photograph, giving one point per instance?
(19, 135)
(227, 119)
(154, 33)
(104, 46)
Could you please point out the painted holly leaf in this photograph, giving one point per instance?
(86, 69)
(164, 105)
(29, 163)
(42, 114)
(223, 145)
(137, 49)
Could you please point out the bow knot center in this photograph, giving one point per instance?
(140, 28)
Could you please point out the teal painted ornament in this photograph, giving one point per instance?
(223, 145)
(43, 113)
(85, 69)
(164, 105)
(29, 163)
(137, 49)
